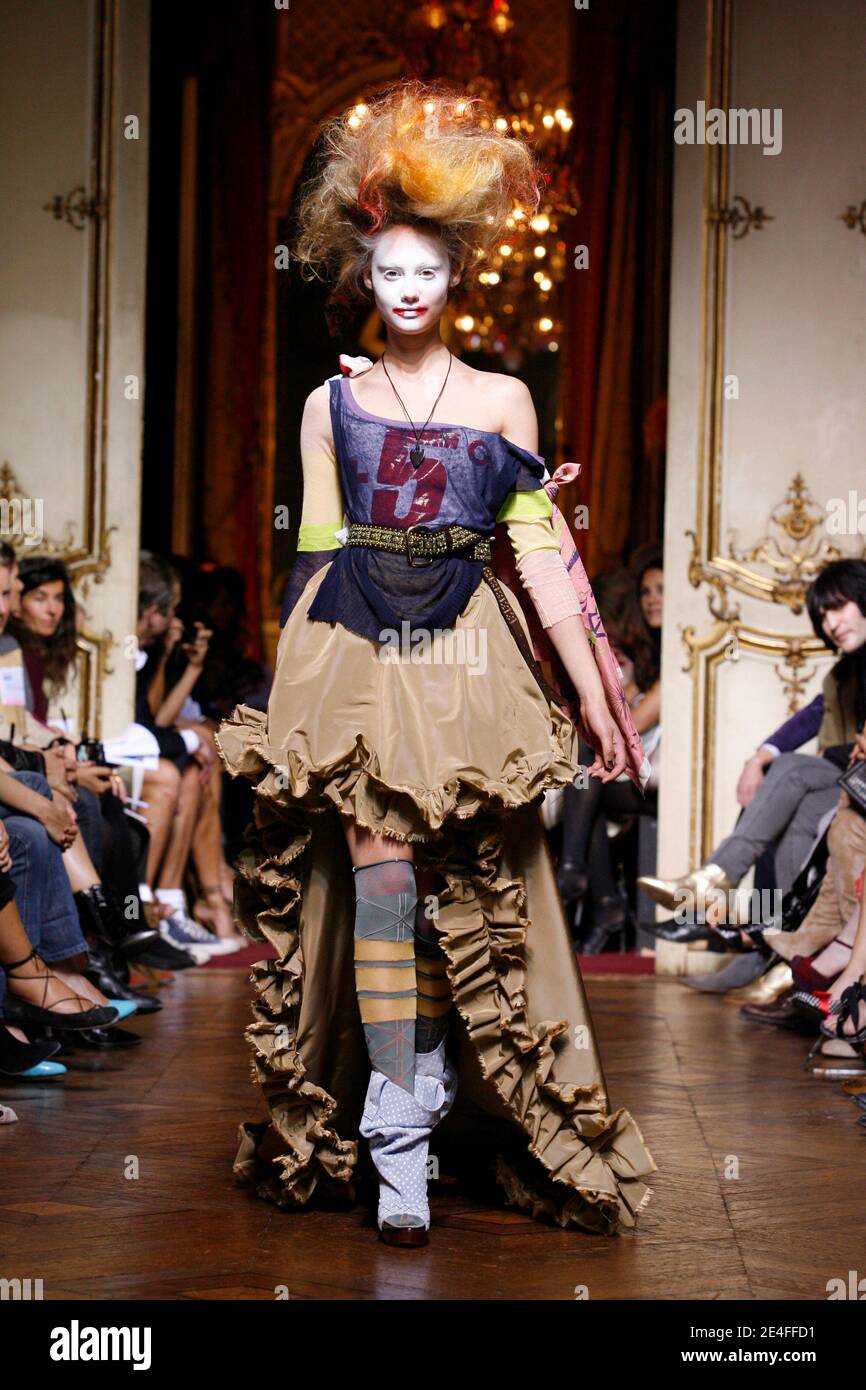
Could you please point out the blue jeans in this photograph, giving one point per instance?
(89, 813)
(43, 893)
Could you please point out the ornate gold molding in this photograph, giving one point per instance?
(727, 638)
(93, 667)
(778, 566)
(795, 663)
(741, 217)
(91, 555)
(854, 217)
(792, 549)
(76, 208)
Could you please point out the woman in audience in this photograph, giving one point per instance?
(46, 629)
(230, 677)
(32, 992)
(45, 625)
(630, 607)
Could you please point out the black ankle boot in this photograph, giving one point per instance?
(571, 880)
(609, 928)
(102, 920)
(111, 978)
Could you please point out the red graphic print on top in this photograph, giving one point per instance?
(395, 470)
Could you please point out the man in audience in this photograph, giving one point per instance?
(785, 809)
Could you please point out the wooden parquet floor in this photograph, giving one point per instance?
(705, 1088)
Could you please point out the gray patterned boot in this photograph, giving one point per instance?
(397, 1127)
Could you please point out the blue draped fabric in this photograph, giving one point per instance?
(464, 480)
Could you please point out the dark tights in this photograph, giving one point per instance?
(584, 836)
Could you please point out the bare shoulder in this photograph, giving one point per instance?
(499, 386)
(317, 404)
(316, 419)
(317, 411)
(509, 389)
(514, 408)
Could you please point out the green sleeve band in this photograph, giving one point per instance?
(525, 506)
(320, 537)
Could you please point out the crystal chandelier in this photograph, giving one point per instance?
(511, 304)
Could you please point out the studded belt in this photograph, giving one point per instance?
(422, 544)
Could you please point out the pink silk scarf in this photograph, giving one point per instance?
(637, 763)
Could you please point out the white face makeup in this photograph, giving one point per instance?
(410, 276)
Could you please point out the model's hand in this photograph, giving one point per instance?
(751, 779)
(610, 761)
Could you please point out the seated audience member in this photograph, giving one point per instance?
(47, 929)
(836, 900)
(785, 808)
(823, 970)
(632, 619)
(229, 676)
(46, 628)
(35, 993)
(847, 994)
(45, 625)
(47, 614)
(196, 830)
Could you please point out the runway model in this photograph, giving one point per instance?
(397, 860)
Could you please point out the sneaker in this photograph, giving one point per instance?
(217, 945)
(163, 956)
(173, 930)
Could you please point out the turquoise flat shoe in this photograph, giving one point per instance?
(124, 1007)
(43, 1069)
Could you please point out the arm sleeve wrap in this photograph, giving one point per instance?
(546, 580)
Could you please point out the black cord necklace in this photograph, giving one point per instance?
(416, 453)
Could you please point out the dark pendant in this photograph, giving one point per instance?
(416, 455)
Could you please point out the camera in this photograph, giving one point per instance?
(91, 750)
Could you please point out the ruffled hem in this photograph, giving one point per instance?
(583, 1166)
(354, 783)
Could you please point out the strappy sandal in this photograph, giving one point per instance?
(843, 1009)
(22, 1011)
(733, 936)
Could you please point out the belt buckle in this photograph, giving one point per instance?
(421, 563)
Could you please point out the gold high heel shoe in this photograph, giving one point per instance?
(691, 890)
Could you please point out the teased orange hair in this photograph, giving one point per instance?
(439, 169)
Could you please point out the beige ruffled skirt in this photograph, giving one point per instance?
(451, 748)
